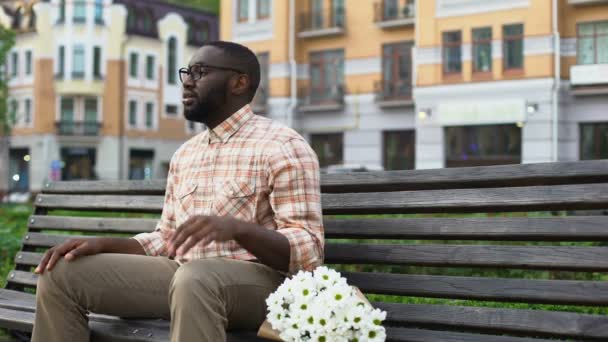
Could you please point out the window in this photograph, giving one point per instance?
(131, 18)
(78, 62)
(61, 61)
(140, 164)
(133, 63)
(482, 49)
(329, 148)
(592, 43)
(61, 11)
(14, 109)
(513, 46)
(171, 110)
(147, 21)
(327, 76)
(99, 11)
(79, 163)
(15, 70)
(150, 66)
(452, 52)
(80, 11)
(317, 14)
(263, 9)
(28, 62)
(149, 115)
(66, 119)
(243, 10)
(482, 145)
(97, 62)
(399, 150)
(594, 141)
(172, 61)
(90, 116)
(261, 96)
(337, 13)
(27, 119)
(396, 71)
(132, 113)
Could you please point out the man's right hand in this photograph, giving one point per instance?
(70, 249)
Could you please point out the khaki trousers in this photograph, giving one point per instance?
(202, 298)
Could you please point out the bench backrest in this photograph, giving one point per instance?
(430, 262)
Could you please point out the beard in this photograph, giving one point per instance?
(207, 105)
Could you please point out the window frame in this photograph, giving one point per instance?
(150, 69)
(259, 14)
(28, 62)
(449, 45)
(329, 138)
(595, 38)
(595, 125)
(239, 17)
(505, 40)
(172, 61)
(132, 110)
(79, 19)
(79, 74)
(322, 59)
(97, 74)
(133, 65)
(481, 160)
(480, 42)
(395, 56)
(408, 134)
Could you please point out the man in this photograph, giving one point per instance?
(242, 208)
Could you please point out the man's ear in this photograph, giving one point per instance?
(240, 84)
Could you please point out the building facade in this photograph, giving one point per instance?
(94, 91)
(404, 84)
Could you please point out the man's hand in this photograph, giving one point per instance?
(71, 249)
(203, 229)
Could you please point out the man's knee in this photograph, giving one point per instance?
(56, 279)
(197, 278)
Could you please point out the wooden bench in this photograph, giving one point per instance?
(412, 254)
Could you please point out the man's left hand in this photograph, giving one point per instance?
(204, 230)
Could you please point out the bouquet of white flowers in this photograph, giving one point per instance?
(321, 306)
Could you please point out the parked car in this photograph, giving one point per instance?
(347, 168)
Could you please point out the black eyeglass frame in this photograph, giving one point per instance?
(187, 71)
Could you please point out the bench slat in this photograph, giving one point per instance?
(118, 203)
(470, 177)
(47, 240)
(538, 198)
(93, 224)
(423, 335)
(23, 278)
(574, 228)
(567, 292)
(593, 259)
(491, 320)
(28, 258)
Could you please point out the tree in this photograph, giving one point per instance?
(7, 40)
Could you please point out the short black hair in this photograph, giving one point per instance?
(248, 62)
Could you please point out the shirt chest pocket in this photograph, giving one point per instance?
(236, 198)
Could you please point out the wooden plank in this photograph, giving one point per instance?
(16, 320)
(22, 278)
(538, 198)
(423, 335)
(47, 240)
(93, 224)
(566, 292)
(125, 187)
(17, 300)
(592, 259)
(118, 203)
(590, 228)
(469, 177)
(28, 258)
(502, 321)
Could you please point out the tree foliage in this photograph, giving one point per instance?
(209, 5)
(7, 40)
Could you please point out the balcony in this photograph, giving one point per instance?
(322, 99)
(587, 2)
(77, 128)
(392, 94)
(260, 101)
(395, 13)
(589, 79)
(331, 22)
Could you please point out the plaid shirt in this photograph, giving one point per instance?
(254, 170)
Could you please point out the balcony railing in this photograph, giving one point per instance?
(322, 23)
(78, 128)
(394, 13)
(394, 93)
(324, 98)
(260, 100)
(586, 2)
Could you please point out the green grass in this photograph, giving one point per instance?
(207, 5)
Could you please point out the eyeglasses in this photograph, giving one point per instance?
(196, 71)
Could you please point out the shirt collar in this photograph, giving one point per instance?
(228, 127)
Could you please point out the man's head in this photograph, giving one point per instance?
(220, 78)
